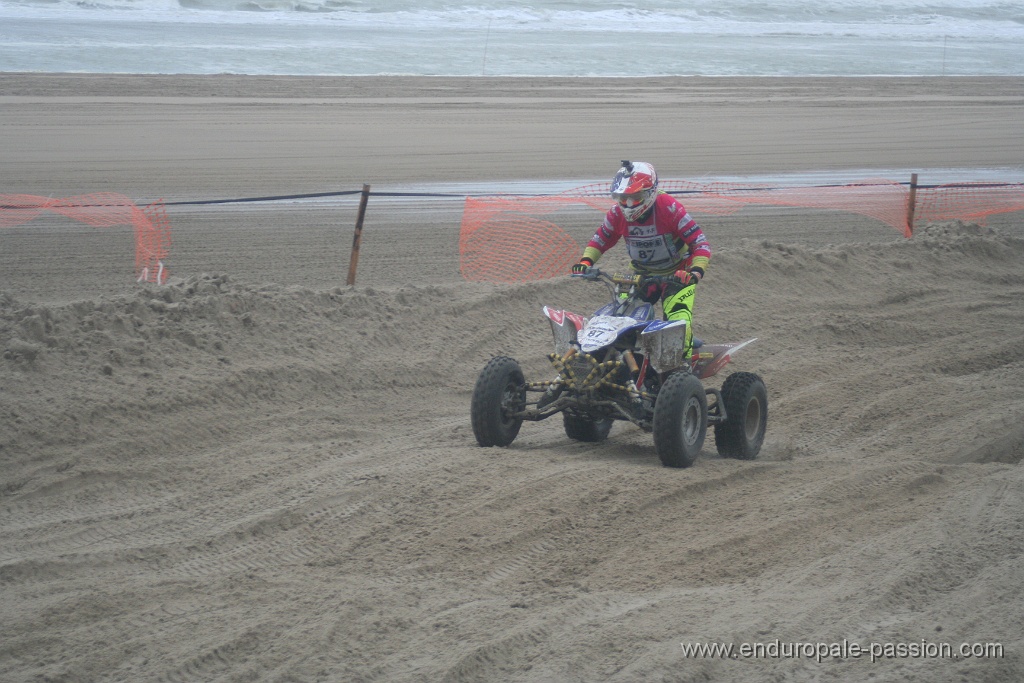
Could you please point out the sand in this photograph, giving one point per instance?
(258, 473)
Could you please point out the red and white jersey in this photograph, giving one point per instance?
(669, 238)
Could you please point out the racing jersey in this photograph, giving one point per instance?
(667, 240)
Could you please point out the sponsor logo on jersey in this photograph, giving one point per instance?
(643, 230)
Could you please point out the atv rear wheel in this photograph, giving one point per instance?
(582, 429)
(500, 391)
(746, 408)
(680, 420)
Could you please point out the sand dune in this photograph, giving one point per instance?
(243, 477)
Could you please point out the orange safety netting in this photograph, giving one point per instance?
(101, 210)
(501, 241)
(974, 201)
(504, 239)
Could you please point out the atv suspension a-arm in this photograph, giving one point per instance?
(586, 385)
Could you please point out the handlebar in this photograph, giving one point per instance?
(632, 279)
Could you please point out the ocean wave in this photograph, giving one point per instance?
(728, 18)
(741, 11)
(555, 37)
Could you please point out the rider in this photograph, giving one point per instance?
(661, 238)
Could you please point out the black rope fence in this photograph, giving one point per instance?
(457, 195)
(153, 229)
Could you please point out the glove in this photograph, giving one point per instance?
(582, 267)
(688, 277)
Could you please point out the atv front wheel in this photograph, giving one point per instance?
(746, 409)
(582, 429)
(680, 420)
(500, 391)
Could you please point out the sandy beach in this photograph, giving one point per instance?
(259, 473)
(193, 137)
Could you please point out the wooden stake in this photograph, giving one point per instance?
(911, 204)
(358, 237)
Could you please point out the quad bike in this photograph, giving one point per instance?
(624, 364)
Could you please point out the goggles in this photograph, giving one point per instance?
(630, 200)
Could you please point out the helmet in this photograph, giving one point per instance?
(635, 188)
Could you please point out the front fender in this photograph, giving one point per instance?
(664, 343)
(565, 327)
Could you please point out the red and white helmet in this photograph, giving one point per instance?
(635, 188)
